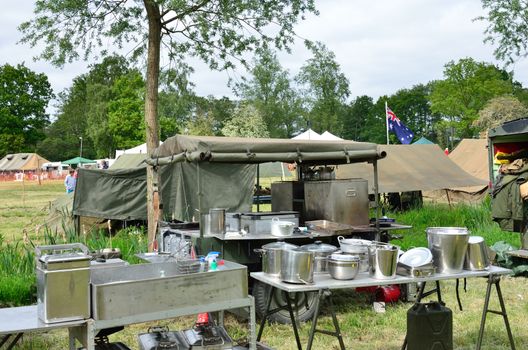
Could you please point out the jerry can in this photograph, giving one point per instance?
(429, 327)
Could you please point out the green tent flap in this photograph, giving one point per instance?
(78, 160)
(121, 194)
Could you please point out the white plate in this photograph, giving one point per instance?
(416, 257)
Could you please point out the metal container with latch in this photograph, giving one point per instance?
(63, 282)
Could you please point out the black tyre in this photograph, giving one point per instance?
(303, 303)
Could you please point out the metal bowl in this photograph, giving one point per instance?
(344, 269)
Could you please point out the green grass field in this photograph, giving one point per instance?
(23, 207)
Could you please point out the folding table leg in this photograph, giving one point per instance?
(293, 321)
(314, 319)
(13, 343)
(494, 280)
(264, 319)
(337, 333)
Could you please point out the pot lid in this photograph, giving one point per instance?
(344, 257)
(279, 245)
(354, 241)
(319, 246)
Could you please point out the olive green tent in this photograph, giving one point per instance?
(201, 172)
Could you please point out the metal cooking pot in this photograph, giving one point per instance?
(343, 266)
(297, 266)
(271, 256)
(321, 252)
(353, 245)
(449, 246)
(281, 228)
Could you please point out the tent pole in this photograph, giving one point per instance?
(448, 199)
(201, 220)
(376, 199)
(258, 187)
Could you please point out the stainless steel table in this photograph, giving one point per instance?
(15, 321)
(323, 284)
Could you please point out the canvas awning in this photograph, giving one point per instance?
(413, 168)
(78, 160)
(245, 150)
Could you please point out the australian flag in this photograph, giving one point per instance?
(404, 134)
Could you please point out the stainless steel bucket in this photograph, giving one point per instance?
(477, 258)
(449, 246)
(383, 259)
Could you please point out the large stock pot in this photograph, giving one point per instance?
(271, 256)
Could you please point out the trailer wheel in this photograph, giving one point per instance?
(303, 303)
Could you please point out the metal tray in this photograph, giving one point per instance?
(417, 271)
(330, 227)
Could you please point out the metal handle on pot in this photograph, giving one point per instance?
(303, 281)
(71, 246)
(340, 238)
(262, 252)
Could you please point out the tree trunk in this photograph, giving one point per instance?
(151, 113)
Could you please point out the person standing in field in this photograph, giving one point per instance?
(69, 182)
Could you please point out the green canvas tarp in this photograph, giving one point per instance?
(245, 150)
(121, 194)
(129, 161)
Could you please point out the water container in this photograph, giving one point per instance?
(429, 327)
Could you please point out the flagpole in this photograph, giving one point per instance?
(387, 121)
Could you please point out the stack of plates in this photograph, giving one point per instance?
(416, 262)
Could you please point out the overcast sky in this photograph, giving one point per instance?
(381, 45)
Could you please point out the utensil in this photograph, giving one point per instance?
(383, 260)
(271, 256)
(297, 266)
(477, 258)
(343, 266)
(449, 246)
(321, 252)
(281, 228)
(416, 257)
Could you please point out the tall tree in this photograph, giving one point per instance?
(216, 31)
(355, 118)
(246, 122)
(125, 111)
(24, 96)
(498, 111)
(467, 87)
(63, 135)
(507, 28)
(270, 91)
(99, 93)
(325, 89)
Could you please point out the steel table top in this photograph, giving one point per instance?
(25, 319)
(325, 281)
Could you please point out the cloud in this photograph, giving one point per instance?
(382, 46)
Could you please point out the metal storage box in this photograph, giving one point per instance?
(63, 282)
(343, 201)
(260, 223)
(287, 196)
(121, 292)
